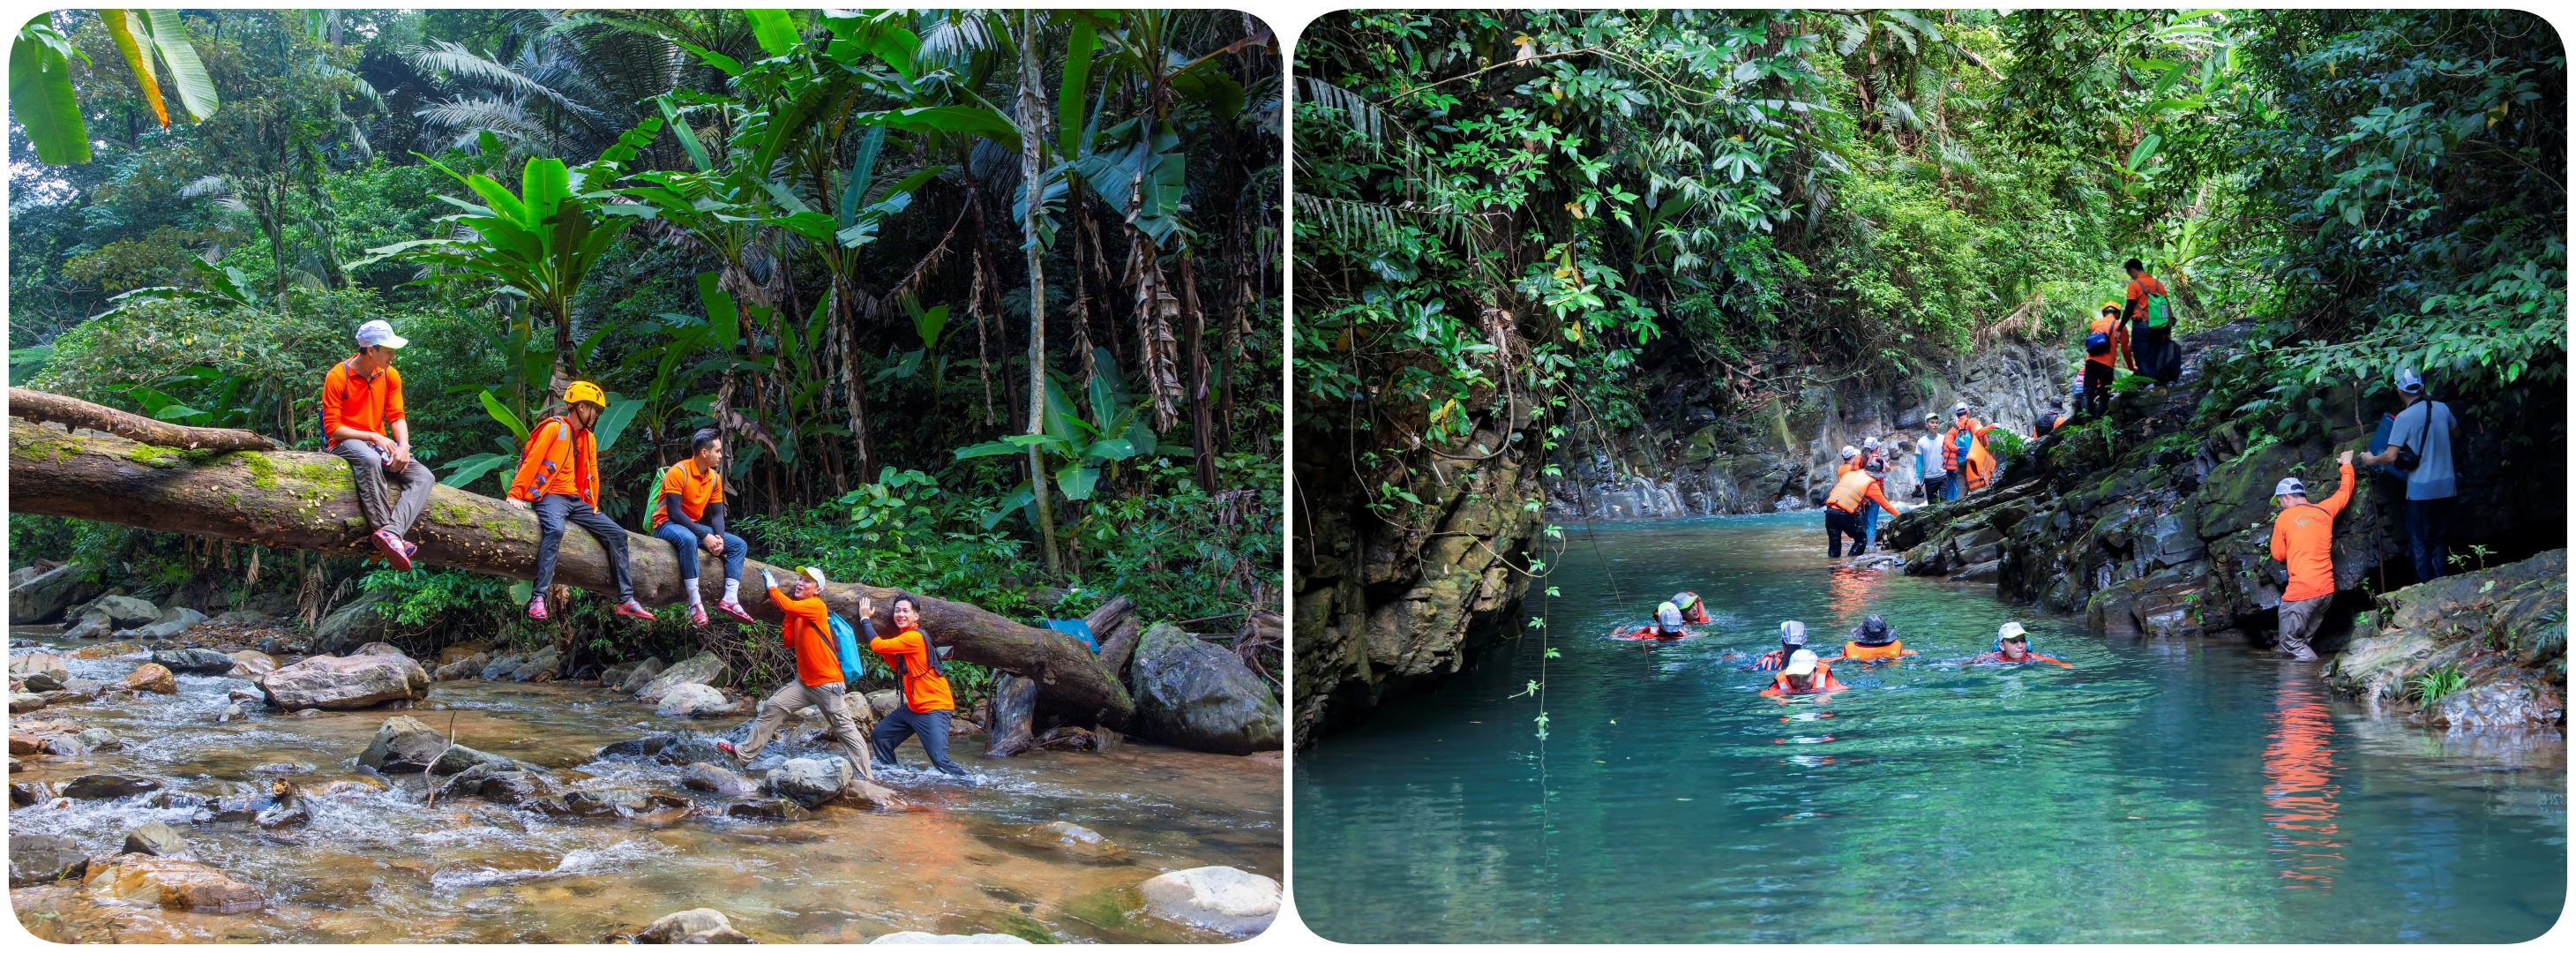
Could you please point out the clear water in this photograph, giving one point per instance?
(2161, 791)
(377, 866)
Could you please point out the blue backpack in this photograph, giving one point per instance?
(845, 648)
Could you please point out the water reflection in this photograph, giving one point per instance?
(2300, 784)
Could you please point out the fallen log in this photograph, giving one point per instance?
(73, 412)
(308, 501)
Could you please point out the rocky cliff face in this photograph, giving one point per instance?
(1686, 461)
(2487, 649)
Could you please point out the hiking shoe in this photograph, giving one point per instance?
(395, 550)
(2302, 656)
(734, 609)
(697, 614)
(727, 748)
(634, 609)
(537, 608)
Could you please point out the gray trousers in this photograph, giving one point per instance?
(383, 509)
(825, 698)
(2299, 620)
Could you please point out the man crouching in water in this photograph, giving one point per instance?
(817, 680)
(928, 703)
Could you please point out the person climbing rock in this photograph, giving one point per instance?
(2012, 647)
(1965, 447)
(1803, 675)
(363, 423)
(1872, 641)
(693, 490)
(2419, 446)
(928, 703)
(1856, 489)
(1877, 470)
(818, 681)
(1793, 638)
(2050, 419)
(2149, 312)
(559, 477)
(2303, 540)
(1930, 463)
(2106, 339)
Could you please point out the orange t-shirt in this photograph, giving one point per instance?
(2139, 288)
(808, 635)
(2303, 539)
(697, 490)
(908, 652)
(367, 403)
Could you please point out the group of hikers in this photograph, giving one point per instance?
(558, 479)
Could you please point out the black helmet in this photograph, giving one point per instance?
(1873, 630)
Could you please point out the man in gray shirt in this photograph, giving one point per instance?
(2427, 428)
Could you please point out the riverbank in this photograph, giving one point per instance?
(373, 861)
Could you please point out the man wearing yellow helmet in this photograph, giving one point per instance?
(2105, 340)
(559, 476)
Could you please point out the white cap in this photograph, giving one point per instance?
(378, 332)
(1849, 453)
(812, 573)
(1801, 662)
(1793, 631)
(2009, 632)
(2409, 381)
(1869, 444)
(1958, 408)
(2289, 485)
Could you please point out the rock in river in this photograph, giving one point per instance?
(1073, 839)
(40, 671)
(126, 612)
(99, 787)
(157, 839)
(636, 678)
(863, 793)
(44, 858)
(41, 599)
(699, 669)
(1214, 898)
(1201, 697)
(916, 936)
(171, 883)
(195, 661)
(251, 663)
(171, 622)
(356, 681)
(811, 781)
(694, 701)
(401, 745)
(464, 668)
(23, 702)
(703, 776)
(702, 925)
(151, 677)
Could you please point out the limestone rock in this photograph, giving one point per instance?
(157, 839)
(151, 677)
(42, 597)
(251, 663)
(695, 701)
(811, 781)
(357, 681)
(40, 671)
(700, 669)
(1222, 899)
(36, 859)
(401, 745)
(195, 661)
(1201, 697)
(172, 883)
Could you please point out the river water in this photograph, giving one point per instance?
(375, 866)
(2161, 791)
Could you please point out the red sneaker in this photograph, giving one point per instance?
(727, 748)
(537, 608)
(395, 550)
(735, 610)
(634, 609)
(698, 614)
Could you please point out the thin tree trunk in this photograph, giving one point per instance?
(1202, 421)
(1032, 165)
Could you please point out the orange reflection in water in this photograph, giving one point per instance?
(1847, 591)
(2300, 788)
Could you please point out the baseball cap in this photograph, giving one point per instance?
(812, 573)
(1849, 453)
(1869, 444)
(1958, 408)
(2289, 485)
(1801, 662)
(1793, 633)
(378, 332)
(2011, 632)
(2409, 381)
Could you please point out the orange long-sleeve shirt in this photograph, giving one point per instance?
(1855, 491)
(809, 635)
(559, 459)
(908, 652)
(367, 403)
(2303, 539)
(2119, 333)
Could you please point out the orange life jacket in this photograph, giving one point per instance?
(1852, 492)
(1979, 467)
(1854, 651)
(550, 463)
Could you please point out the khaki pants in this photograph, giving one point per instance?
(386, 510)
(825, 698)
(2299, 620)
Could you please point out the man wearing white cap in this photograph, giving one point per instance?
(362, 422)
(2423, 431)
(819, 679)
(2303, 540)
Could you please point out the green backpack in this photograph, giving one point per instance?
(2159, 312)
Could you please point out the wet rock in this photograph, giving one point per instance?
(73, 692)
(41, 597)
(679, 927)
(464, 668)
(227, 810)
(283, 767)
(100, 787)
(2451, 624)
(98, 739)
(543, 663)
(194, 661)
(1073, 839)
(699, 669)
(91, 625)
(863, 793)
(2517, 700)
(108, 650)
(23, 702)
(501, 666)
(1201, 697)
(401, 745)
(283, 814)
(460, 758)
(516, 787)
(636, 678)
(702, 776)
(916, 936)
(811, 781)
(726, 935)
(695, 701)
(623, 802)
(157, 839)
(151, 677)
(174, 800)
(23, 793)
(615, 675)
(689, 747)
(1223, 899)
(644, 747)
(24, 743)
(39, 671)
(171, 883)
(883, 700)
(251, 663)
(170, 623)
(65, 746)
(36, 859)
(1980, 572)
(126, 612)
(232, 712)
(767, 808)
(356, 623)
(356, 681)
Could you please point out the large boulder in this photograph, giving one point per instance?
(101, 787)
(126, 612)
(700, 669)
(171, 883)
(36, 859)
(195, 661)
(357, 681)
(705, 776)
(157, 839)
(350, 626)
(811, 781)
(2451, 625)
(636, 678)
(401, 745)
(251, 663)
(863, 793)
(1214, 898)
(694, 701)
(171, 622)
(40, 671)
(542, 663)
(151, 677)
(1199, 696)
(92, 625)
(42, 597)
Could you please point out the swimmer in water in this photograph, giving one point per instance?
(1793, 637)
(1805, 675)
(1873, 641)
(2012, 647)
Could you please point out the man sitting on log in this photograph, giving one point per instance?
(693, 490)
(928, 704)
(559, 476)
(362, 402)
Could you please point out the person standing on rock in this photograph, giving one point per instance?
(807, 631)
(928, 703)
(2303, 540)
(2149, 312)
(2105, 340)
(1877, 470)
(1928, 465)
(363, 423)
(559, 477)
(1851, 461)
(1964, 448)
(1857, 489)
(2423, 431)
(693, 490)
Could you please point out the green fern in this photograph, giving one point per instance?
(2433, 686)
